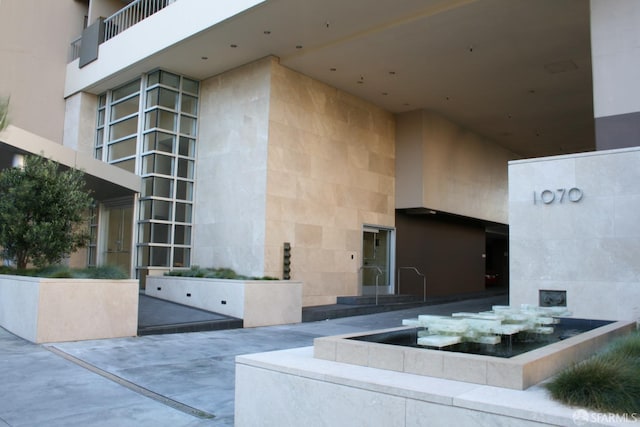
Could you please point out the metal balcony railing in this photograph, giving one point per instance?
(74, 50)
(129, 16)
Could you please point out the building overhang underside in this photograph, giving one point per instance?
(103, 180)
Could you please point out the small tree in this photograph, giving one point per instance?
(41, 210)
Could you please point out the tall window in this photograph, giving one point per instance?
(149, 127)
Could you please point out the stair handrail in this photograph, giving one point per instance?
(377, 275)
(424, 281)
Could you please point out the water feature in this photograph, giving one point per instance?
(503, 332)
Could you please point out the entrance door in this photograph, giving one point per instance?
(118, 227)
(377, 248)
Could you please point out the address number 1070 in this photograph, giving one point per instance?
(573, 195)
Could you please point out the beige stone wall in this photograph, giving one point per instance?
(35, 41)
(448, 168)
(331, 169)
(231, 170)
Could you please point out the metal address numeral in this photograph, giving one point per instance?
(547, 197)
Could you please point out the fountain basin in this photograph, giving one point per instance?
(517, 372)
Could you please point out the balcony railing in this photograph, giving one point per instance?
(129, 16)
(74, 50)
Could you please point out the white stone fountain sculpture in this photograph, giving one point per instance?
(485, 327)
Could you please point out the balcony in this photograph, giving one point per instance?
(129, 16)
(123, 19)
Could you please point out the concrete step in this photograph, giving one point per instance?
(381, 299)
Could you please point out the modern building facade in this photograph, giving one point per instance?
(372, 138)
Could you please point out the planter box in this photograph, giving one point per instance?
(51, 310)
(256, 302)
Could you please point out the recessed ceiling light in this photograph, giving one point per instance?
(392, 73)
(233, 45)
(299, 46)
(332, 69)
(267, 32)
(204, 58)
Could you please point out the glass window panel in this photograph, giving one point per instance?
(162, 187)
(122, 149)
(153, 78)
(181, 257)
(128, 165)
(102, 100)
(185, 168)
(161, 119)
(183, 212)
(126, 90)
(144, 232)
(101, 114)
(157, 163)
(143, 255)
(184, 190)
(161, 210)
(147, 164)
(92, 256)
(169, 79)
(182, 235)
(159, 256)
(187, 147)
(162, 97)
(189, 85)
(160, 233)
(159, 141)
(187, 125)
(99, 137)
(147, 186)
(125, 108)
(99, 153)
(145, 209)
(189, 105)
(123, 128)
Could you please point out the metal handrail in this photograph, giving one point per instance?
(377, 275)
(130, 15)
(424, 281)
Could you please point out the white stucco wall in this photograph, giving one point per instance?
(588, 248)
(445, 167)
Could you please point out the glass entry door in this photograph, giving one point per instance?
(377, 249)
(118, 229)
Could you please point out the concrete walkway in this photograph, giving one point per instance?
(157, 380)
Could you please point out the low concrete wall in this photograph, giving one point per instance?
(291, 388)
(256, 302)
(51, 310)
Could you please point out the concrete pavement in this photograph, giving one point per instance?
(184, 379)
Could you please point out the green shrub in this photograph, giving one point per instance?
(607, 382)
(214, 273)
(62, 272)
